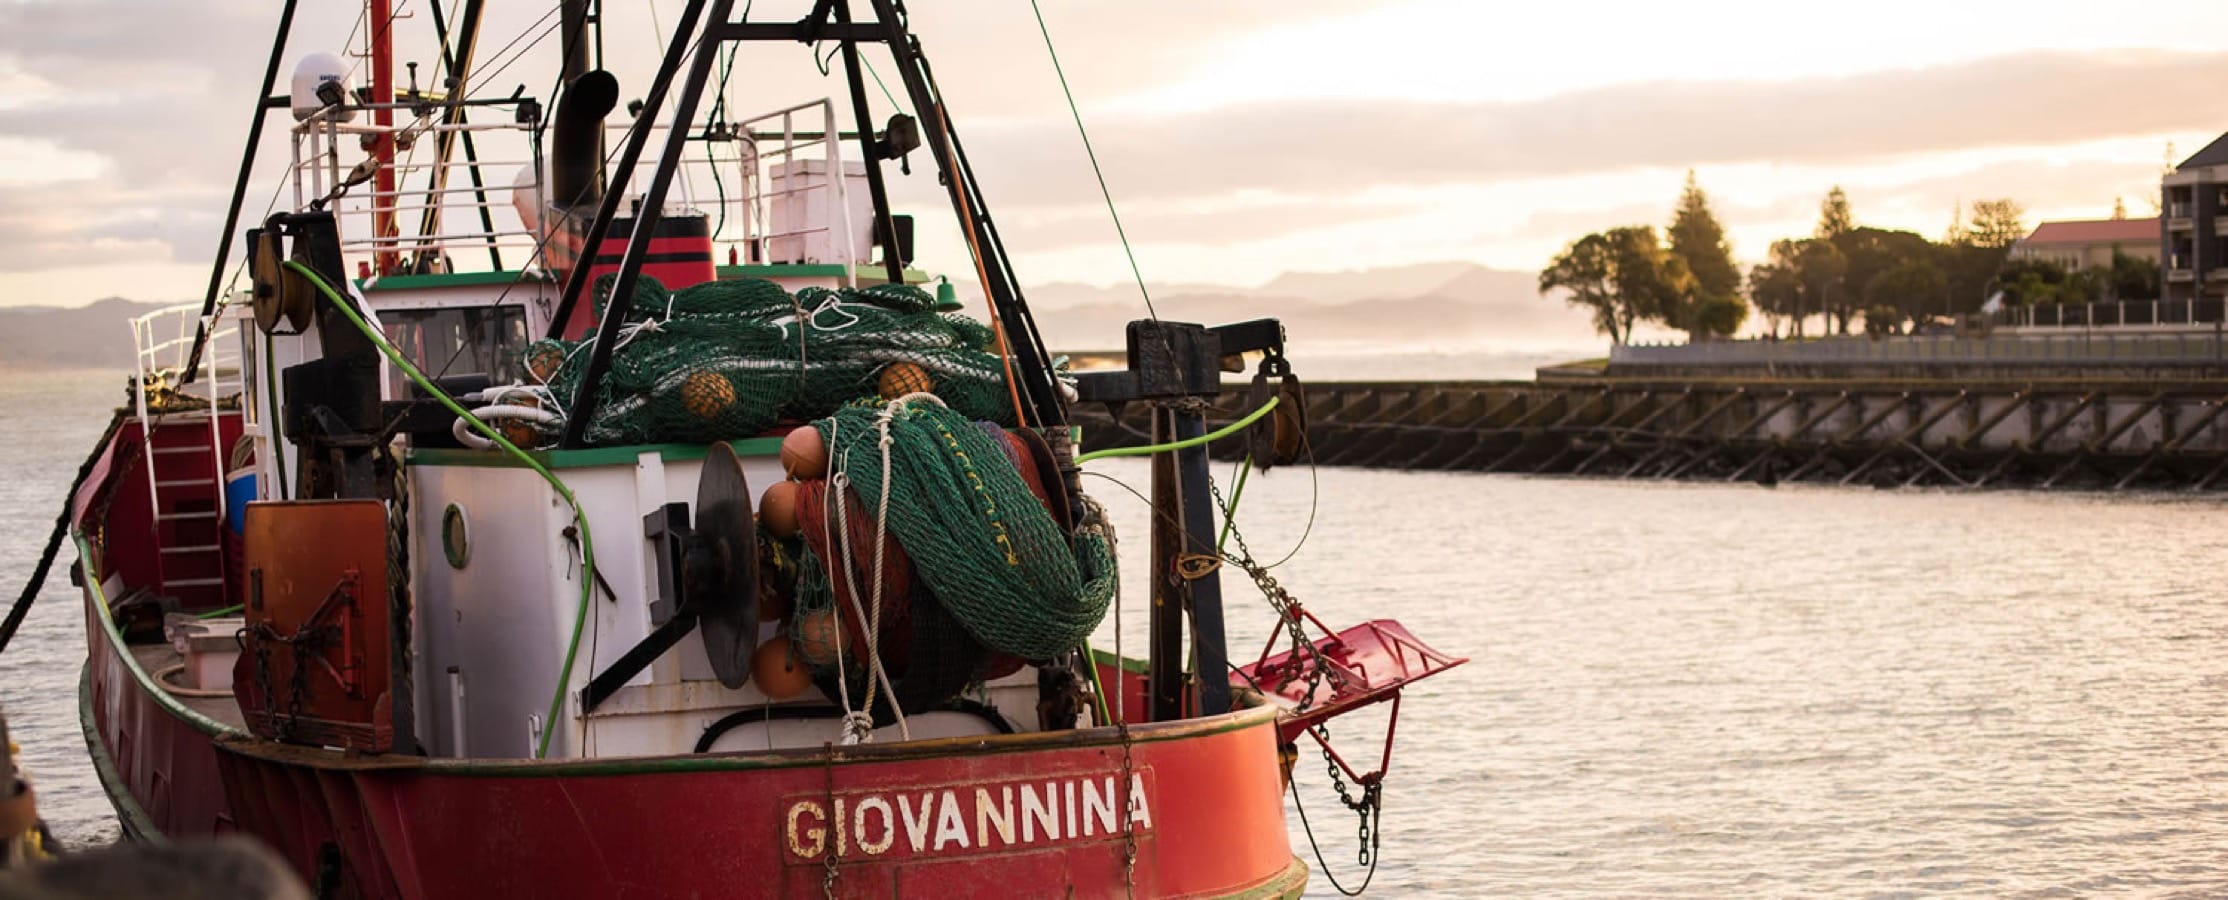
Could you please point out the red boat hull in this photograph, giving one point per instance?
(1023, 815)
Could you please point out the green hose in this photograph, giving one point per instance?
(1208, 438)
(580, 519)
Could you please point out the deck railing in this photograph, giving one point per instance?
(2203, 311)
(2193, 348)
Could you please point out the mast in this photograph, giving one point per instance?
(264, 103)
(457, 63)
(383, 143)
(870, 151)
(1032, 364)
(653, 201)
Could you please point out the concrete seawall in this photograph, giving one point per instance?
(2111, 429)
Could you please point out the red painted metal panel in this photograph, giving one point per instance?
(1361, 666)
(316, 664)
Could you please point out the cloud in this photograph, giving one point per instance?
(1227, 222)
(146, 103)
(57, 226)
(2029, 99)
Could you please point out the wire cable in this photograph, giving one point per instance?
(1134, 271)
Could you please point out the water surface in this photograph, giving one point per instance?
(1697, 690)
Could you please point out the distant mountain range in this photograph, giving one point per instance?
(96, 336)
(1433, 303)
(1426, 303)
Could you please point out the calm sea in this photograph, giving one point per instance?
(1697, 690)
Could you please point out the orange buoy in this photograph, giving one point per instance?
(519, 432)
(545, 362)
(901, 378)
(777, 509)
(776, 671)
(804, 454)
(815, 637)
(707, 395)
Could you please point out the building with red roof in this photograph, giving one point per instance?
(2089, 244)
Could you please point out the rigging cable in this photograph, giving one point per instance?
(580, 517)
(1293, 786)
(1134, 271)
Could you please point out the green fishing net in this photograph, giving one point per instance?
(730, 359)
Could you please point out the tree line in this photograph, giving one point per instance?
(1843, 273)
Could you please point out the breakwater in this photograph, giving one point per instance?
(2041, 427)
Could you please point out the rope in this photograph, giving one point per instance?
(980, 539)
(54, 540)
(878, 677)
(580, 517)
(1293, 787)
(1208, 438)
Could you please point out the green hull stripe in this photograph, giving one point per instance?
(595, 456)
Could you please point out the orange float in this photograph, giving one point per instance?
(804, 454)
(776, 671)
(777, 509)
(901, 378)
(707, 395)
(814, 640)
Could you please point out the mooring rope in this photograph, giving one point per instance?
(30, 593)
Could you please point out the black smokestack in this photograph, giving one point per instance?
(576, 144)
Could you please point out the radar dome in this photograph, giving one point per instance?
(312, 73)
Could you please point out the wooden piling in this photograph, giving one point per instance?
(2100, 433)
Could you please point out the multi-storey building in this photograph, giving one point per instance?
(2194, 225)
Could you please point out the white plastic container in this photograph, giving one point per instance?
(209, 647)
(805, 217)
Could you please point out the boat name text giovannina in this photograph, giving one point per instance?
(952, 820)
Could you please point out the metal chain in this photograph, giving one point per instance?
(1129, 831)
(1369, 808)
(306, 642)
(262, 651)
(1366, 808)
(1287, 608)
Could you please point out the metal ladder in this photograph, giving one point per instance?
(186, 471)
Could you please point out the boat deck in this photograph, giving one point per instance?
(156, 657)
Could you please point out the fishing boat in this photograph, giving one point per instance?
(695, 545)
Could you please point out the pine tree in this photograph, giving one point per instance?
(1997, 223)
(1698, 240)
(1834, 219)
(2119, 208)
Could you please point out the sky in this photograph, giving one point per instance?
(1240, 138)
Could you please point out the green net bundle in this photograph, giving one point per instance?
(980, 541)
(730, 359)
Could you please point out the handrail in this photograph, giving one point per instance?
(2201, 348)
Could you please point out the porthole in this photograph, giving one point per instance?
(456, 544)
